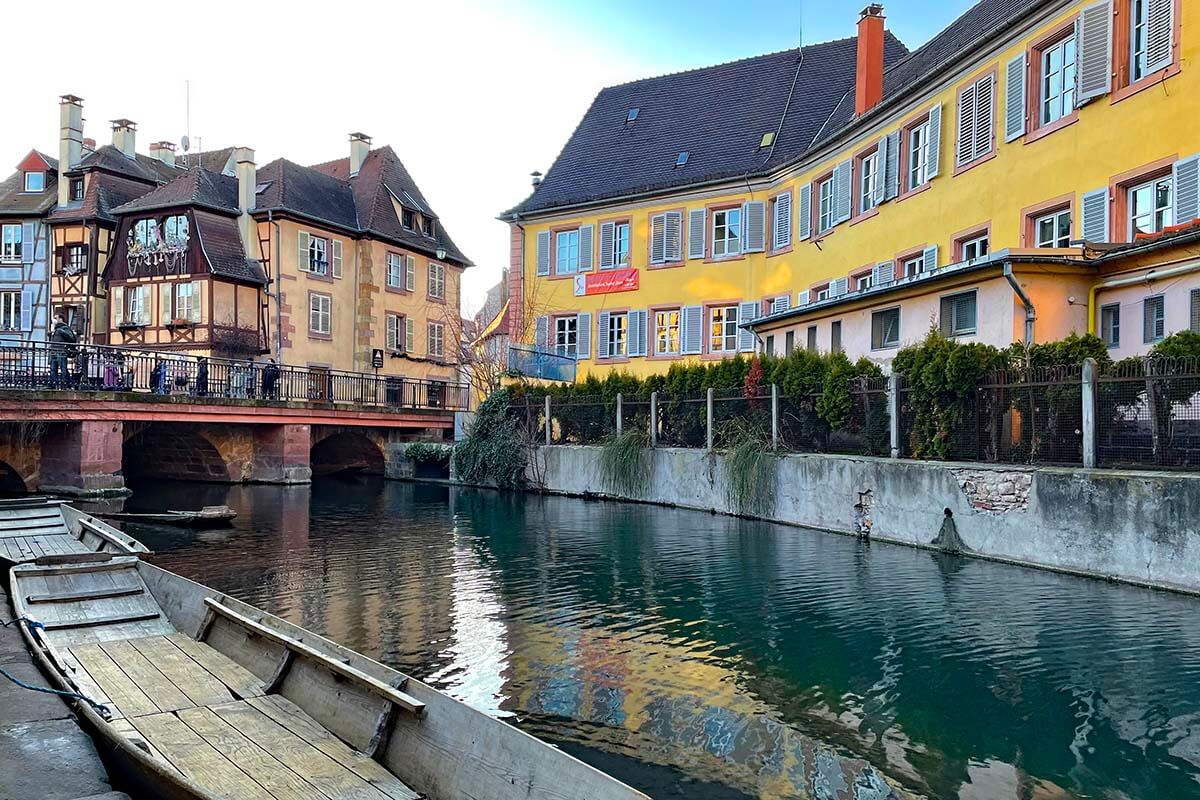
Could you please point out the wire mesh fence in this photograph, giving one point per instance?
(737, 416)
(682, 421)
(1148, 414)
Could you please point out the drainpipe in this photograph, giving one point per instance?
(278, 264)
(1030, 314)
(1149, 277)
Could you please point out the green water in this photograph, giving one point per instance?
(698, 656)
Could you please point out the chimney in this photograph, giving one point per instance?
(164, 152)
(247, 178)
(360, 146)
(868, 89)
(70, 141)
(123, 133)
(89, 145)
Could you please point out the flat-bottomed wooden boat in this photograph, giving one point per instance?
(209, 516)
(32, 527)
(202, 696)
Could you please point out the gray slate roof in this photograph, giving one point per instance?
(197, 187)
(223, 248)
(144, 168)
(16, 202)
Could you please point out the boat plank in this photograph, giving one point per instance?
(197, 759)
(146, 676)
(200, 685)
(292, 717)
(115, 684)
(252, 759)
(83, 594)
(125, 728)
(239, 679)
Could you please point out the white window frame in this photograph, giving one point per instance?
(621, 242)
(1054, 104)
(69, 267)
(723, 326)
(41, 179)
(885, 343)
(1139, 21)
(825, 209)
(318, 255)
(394, 332)
(136, 305)
(175, 230)
(914, 266)
(868, 180)
(436, 335)
(566, 259)
(726, 232)
(566, 335)
(395, 271)
(184, 299)
(666, 331)
(146, 232)
(10, 243)
(864, 282)
(1161, 216)
(822, 294)
(618, 335)
(918, 155)
(437, 281)
(10, 310)
(980, 244)
(1054, 218)
(320, 309)
(954, 329)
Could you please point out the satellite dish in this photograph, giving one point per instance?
(185, 143)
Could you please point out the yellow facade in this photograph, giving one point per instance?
(1119, 135)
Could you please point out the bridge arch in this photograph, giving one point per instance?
(174, 451)
(347, 450)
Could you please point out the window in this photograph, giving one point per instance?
(868, 180)
(620, 244)
(408, 218)
(1058, 80)
(320, 316)
(566, 252)
(1110, 324)
(35, 181)
(427, 226)
(727, 231)
(76, 190)
(566, 336)
(835, 336)
(918, 155)
(1053, 230)
(1139, 21)
(973, 248)
(185, 302)
(914, 266)
(437, 339)
(723, 330)
(10, 244)
(885, 328)
(1194, 310)
(617, 326)
(823, 293)
(1154, 320)
(395, 271)
(145, 234)
(811, 343)
(958, 314)
(825, 208)
(318, 261)
(864, 282)
(789, 343)
(138, 313)
(769, 347)
(395, 333)
(175, 230)
(1150, 206)
(666, 332)
(10, 311)
(437, 281)
(74, 259)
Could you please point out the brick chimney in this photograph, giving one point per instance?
(89, 145)
(164, 152)
(247, 178)
(124, 133)
(70, 141)
(360, 147)
(868, 89)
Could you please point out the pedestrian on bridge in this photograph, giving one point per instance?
(61, 338)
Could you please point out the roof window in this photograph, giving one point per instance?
(681, 159)
(631, 115)
(768, 139)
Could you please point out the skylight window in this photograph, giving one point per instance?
(682, 159)
(632, 115)
(768, 139)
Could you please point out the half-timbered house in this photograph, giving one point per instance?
(26, 198)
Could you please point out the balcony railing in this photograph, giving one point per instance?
(41, 366)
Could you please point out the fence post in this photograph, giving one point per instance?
(893, 401)
(654, 419)
(619, 409)
(774, 416)
(709, 424)
(549, 432)
(1089, 413)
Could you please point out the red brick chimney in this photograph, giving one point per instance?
(868, 90)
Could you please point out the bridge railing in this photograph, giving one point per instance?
(42, 366)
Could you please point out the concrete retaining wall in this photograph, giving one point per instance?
(1139, 527)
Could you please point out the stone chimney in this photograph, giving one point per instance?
(868, 90)
(70, 141)
(124, 132)
(164, 152)
(247, 178)
(360, 146)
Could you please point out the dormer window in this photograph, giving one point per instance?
(35, 181)
(145, 235)
(76, 190)
(427, 226)
(176, 230)
(408, 219)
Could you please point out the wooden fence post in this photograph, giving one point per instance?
(654, 419)
(1089, 413)
(709, 425)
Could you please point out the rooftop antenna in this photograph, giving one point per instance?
(186, 140)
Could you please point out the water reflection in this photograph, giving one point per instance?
(699, 655)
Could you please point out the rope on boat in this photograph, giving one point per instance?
(33, 624)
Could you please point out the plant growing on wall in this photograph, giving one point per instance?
(625, 462)
(749, 469)
(494, 451)
(428, 452)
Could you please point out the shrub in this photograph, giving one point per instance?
(493, 452)
(429, 452)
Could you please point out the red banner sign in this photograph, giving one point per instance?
(606, 282)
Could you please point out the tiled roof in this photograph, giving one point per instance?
(104, 193)
(214, 160)
(308, 192)
(143, 168)
(196, 187)
(222, 246)
(15, 201)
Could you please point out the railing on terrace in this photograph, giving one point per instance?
(40, 366)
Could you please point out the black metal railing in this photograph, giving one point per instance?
(40, 366)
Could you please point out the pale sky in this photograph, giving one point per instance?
(472, 95)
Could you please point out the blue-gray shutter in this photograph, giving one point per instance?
(28, 242)
(585, 247)
(891, 167)
(803, 298)
(658, 239)
(541, 336)
(1187, 190)
(839, 286)
(583, 335)
(930, 258)
(1093, 216)
(543, 253)
(602, 334)
(747, 312)
(673, 236)
(804, 228)
(1160, 26)
(781, 224)
(935, 141)
(754, 226)
(842, 192)
(691, 321)
(781, 304)
(607, 252)
(965, 148)
(636, 334)
(696, 220)
(884, 273)
(1093, 52)
(1014, 98)
(881, 169)
(28, 299)
(985, 102)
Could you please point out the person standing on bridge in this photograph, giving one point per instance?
(202, 377)
(61, 338)
(270, 379)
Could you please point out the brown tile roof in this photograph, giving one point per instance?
(16, 202)
(308, 193)
(104, 193)
(197, 187)
(142, 168)
(221, 243)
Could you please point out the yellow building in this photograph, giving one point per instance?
(1031, 161)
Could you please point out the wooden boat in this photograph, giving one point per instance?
(207, 516)
(32, 527)
(202, 696)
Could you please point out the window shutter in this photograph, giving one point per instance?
(658, 241)
(966, 125)
(602, 334)
(747, 312)
(29, 298)
(583, 335)
(543, 253)
(802, 298)
(410, 336)
(1093, 52)
(541, 336)
(410, 273)
(935, 141)
(336, 247)
(636, 333)
(985, 100)
(804, 230)
(781, 224)
(28, 243)
(781, 304)
(1160, 25)
(303, 242)
(1093, 224)
(1187, 190)
(697, 217)
(754, 226)
(194, 316)
(585, 247)
(1194, 316)
(1149, 309)
(673, 236)
(946, 316)
(164, 302)
(842, 192)
(1014, 98)
(607, 253)
(117, 305)
(144, 305)
(884, 273)
(691, 321)
(930, 257)
(839, 286)
(881, 168)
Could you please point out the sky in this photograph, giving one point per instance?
(472, 95)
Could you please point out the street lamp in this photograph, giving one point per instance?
(441, 253)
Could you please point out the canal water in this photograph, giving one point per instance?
(699, 656)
